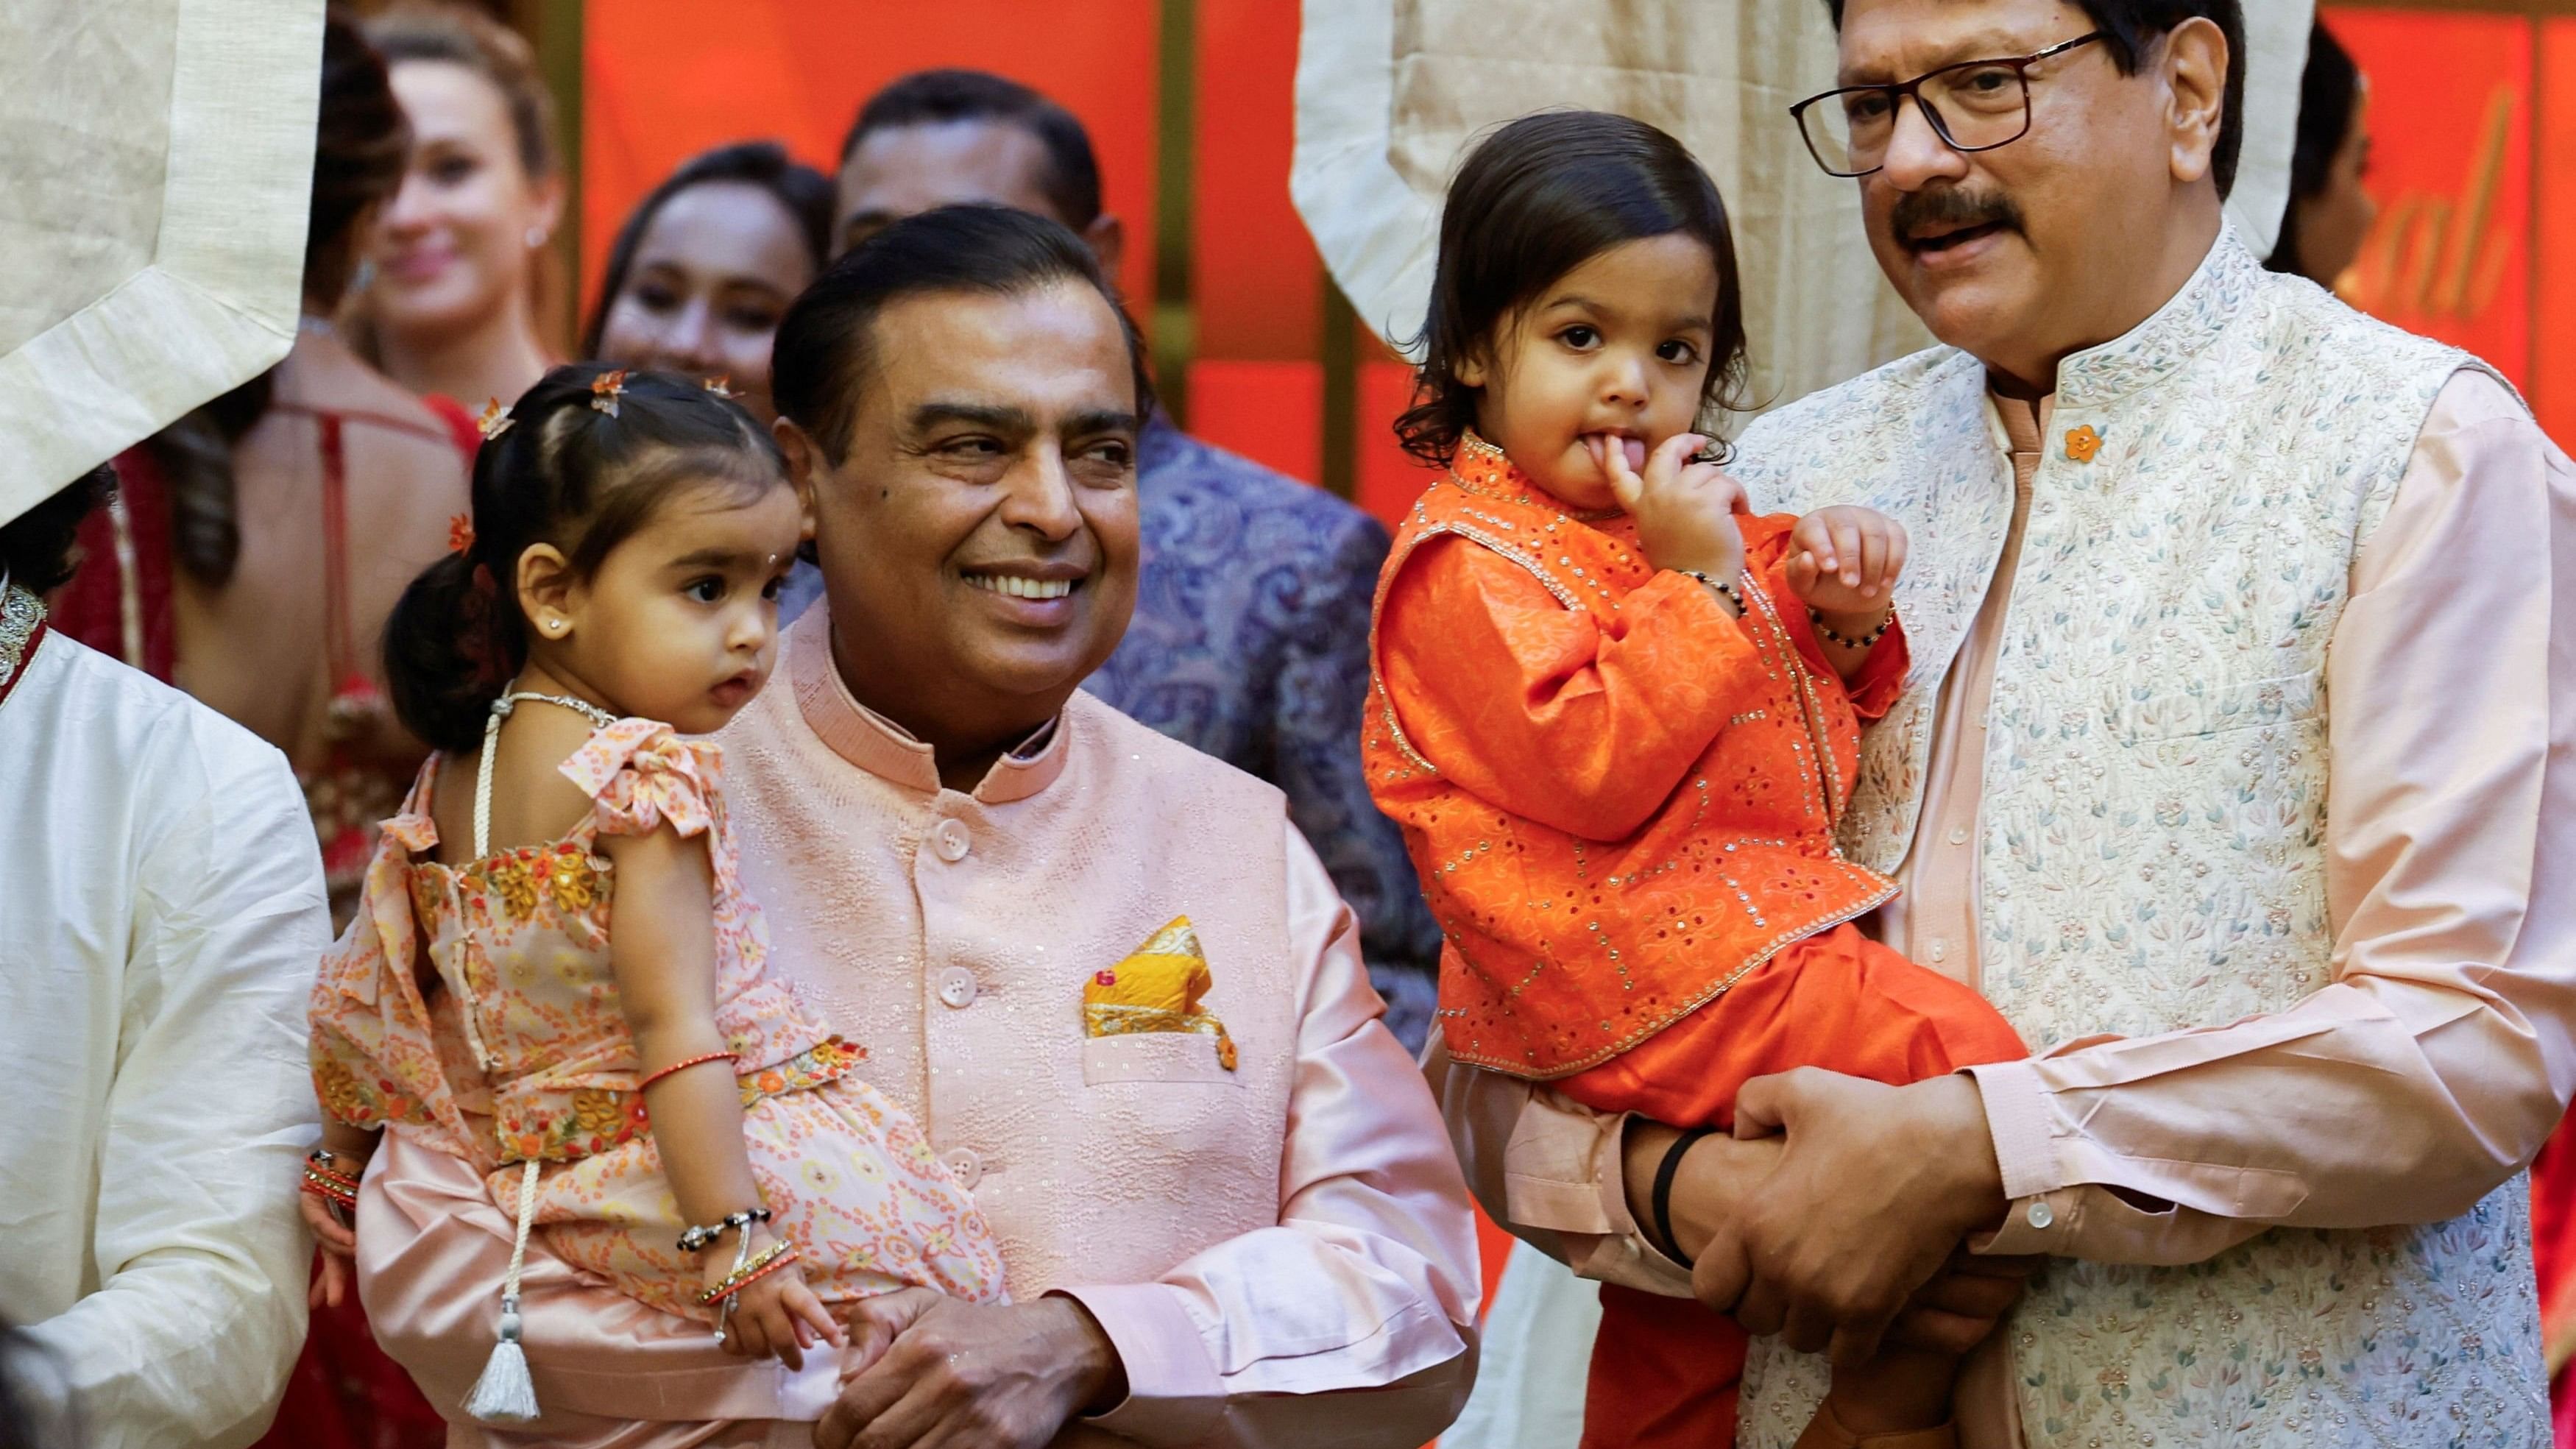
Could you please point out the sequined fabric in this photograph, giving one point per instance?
(1621, 799)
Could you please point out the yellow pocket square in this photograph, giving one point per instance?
(1156, 987)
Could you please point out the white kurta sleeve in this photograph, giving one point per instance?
(198, 1257)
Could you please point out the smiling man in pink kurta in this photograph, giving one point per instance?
(1264, 1245)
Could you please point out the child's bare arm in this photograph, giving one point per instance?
(1844, 562)
(663, 946)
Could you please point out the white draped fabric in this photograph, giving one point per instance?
(155, 165)
(164, 913)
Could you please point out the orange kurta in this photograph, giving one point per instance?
(1621, 801)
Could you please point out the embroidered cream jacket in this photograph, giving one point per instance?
(2152, 834)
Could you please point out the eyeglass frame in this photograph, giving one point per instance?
(1898, 91)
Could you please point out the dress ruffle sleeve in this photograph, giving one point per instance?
(642, 776)
(375, 1061)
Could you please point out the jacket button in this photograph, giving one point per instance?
(964, 1165)
(957, 987)
(948, 839)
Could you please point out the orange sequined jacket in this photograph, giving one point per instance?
(1620, 799)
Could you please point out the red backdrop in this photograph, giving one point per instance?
(2459, 252)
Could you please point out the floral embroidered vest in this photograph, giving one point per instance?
(2153, 825)
(1537, 978)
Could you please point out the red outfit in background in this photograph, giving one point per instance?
(1621, 801)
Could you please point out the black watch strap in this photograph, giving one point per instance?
(1663, 1195)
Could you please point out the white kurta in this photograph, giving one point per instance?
(162, 920)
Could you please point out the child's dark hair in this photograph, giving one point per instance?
(568, 474)
(1535, 200)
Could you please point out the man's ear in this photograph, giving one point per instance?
(804, 458)
(549, 594)
(804, 461)
(2195, 77)
(1107, 238)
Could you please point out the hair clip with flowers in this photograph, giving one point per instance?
(720, 385)
(606, 389)
(495, 421)
(460, 533)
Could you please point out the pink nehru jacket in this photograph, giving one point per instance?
(1282, 1253)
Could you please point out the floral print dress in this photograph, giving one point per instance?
(522, 1051)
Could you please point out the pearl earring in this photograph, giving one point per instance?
(536, 237)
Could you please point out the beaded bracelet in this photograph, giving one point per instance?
(682, 1066)
(705, 1233)
(776, 1256)
(1723, 590)
(1817, 618)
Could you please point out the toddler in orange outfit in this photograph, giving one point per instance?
(1617, 715)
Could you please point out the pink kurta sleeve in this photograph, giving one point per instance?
(1348, 1323)
(1549, 1169)
(2440, 1058)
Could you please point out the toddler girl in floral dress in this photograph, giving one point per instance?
(555, 972)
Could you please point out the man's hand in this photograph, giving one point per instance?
(1963, 1303)
(926, 1371)
(1685, 511)
(1876, 1187)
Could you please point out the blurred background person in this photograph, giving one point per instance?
(255, 546)
(459, 257)
(250, 555)
(2330, 208)
(706, 264)
(1250, 639)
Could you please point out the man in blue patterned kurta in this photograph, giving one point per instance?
(1250, 639)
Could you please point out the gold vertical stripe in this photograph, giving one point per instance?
(554, 27)
(1174, 320)
(1340, 348)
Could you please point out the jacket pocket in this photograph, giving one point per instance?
(2209, 709)
(1154, 1056)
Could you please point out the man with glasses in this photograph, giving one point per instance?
(2235, 769)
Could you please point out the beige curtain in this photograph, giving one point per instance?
(1391, 93)
(155, 163)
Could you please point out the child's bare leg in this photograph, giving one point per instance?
(1900, 1390)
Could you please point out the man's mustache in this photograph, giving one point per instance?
(1961, 209)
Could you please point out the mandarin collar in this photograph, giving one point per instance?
(885, 749)
(2185, 326)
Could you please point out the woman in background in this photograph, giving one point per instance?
(2330, 210)
(255, 547)
(706, 264)
(250, 555)
(451, 308)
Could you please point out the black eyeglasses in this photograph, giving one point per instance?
(1975, 105)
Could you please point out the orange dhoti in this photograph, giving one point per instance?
(1665, 1370)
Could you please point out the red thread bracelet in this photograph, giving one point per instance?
(697, 1061)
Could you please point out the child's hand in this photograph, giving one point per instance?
(1685, 511)
(336, 1265)
(777, 1317)
(1844, 562)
